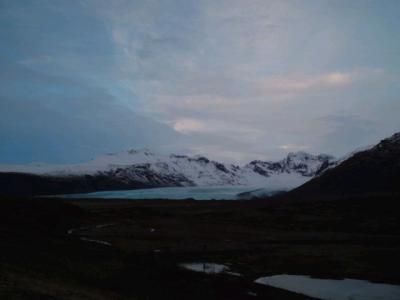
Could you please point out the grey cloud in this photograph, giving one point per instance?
(56, 126)
(257, 77)
(348, 132)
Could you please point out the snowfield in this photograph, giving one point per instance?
(159, 170)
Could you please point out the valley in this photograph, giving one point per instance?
(342, 224)
(200, 150)
(135, 169)
(102, 249)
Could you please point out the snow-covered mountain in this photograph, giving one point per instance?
(147, 167)
(300, 163)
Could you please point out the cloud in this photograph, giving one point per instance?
(347, 132)
(188, 125)
(230, 79)
(293, 148)
(40, 122)
(306, 83)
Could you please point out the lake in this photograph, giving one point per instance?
(179, 193)
(333, 289)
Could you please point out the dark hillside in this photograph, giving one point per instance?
(20, 184)
(374, 171)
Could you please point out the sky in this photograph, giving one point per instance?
(234, 80)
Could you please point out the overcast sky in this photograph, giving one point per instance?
(234, 80)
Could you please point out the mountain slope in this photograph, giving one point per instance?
(372, 171)
(301, 163)
(22, 184)
(143, 168)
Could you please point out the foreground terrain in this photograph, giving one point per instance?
(111, 249)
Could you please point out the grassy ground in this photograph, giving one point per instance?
(356, 238)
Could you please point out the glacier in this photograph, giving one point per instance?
(161, 170)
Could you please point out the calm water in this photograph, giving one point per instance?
(179, 193)
(331, 289)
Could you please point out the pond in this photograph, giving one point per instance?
(332, 289)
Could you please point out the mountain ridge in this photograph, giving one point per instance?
(373, 170)
(144, 167)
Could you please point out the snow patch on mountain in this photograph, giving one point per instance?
(300, 163)
(181, 170)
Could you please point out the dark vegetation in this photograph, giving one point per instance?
(347, 237)
(21, 184)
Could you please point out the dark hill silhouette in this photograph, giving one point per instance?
(370, 172)
(20, 184)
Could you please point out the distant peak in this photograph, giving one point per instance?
(395, 138)
(325, 156)
(201, 158)
(305, 156)
(145, 151)
(300, 154)
(178, 156)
